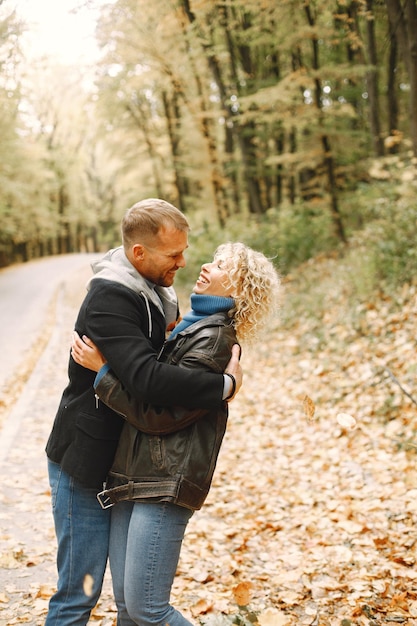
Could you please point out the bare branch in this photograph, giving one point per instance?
(397, 382)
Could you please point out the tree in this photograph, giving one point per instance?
(403, 23)
(372, 80)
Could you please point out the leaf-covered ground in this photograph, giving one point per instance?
(311, 519)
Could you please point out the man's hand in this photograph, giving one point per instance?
(85, 352)
(234, 368)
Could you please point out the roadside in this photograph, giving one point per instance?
(28, 294)
(27, 553)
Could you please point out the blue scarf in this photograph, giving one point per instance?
(202, 306)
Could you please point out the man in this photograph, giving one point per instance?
(126, 312)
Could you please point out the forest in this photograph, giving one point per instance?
(291, 125)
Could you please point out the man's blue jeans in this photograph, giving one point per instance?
(82, 530)
(145, 545)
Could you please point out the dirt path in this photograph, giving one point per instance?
(27, 315)
(27, 540)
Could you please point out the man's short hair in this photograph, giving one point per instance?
(145, 218)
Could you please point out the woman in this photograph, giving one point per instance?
(166, 457)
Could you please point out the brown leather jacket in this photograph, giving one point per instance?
(169, 454)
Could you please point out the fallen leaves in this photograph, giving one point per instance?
(242, 593)
(313, 494)
(273, 617)
(346, 421)
(312, 518)
(201, 608)
(309, 408)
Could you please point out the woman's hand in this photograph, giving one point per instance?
(235, 369)
(85, 352)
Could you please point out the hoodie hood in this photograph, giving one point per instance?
(115, 266)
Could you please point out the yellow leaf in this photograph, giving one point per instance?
(309, 407)
(243, 593)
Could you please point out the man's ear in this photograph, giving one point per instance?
(138, 252)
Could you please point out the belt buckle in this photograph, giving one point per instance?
(104, 500)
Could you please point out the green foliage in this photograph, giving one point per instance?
(299, 232)
(386, 246)
(381, 216)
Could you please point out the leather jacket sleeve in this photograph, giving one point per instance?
(143, 416)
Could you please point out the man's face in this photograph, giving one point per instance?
(160, 262)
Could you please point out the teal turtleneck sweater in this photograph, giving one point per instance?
(202, 306)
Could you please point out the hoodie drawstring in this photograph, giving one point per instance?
(148, 308)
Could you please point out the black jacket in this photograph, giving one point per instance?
(174, 459)
(85, 432)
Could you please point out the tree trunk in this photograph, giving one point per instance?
(372, 82)
(173, 118)
(328, 157)
(291, 177)
(328, 160)
(64, 237)
(248, 151)
(246, 133)
(279, 146)
(411, 15)
(141, 122)
(403, 19)
(392, 91)
(219, 193)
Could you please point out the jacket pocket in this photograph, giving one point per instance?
(105, 429)
(156, 449)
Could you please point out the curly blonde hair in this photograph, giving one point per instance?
(255, 284)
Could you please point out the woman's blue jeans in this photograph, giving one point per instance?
(82, 530)
(145, 545)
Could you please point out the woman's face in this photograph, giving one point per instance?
(212, 279)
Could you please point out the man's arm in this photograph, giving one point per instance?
(117, 321)
(158, 420)
(86, 353)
